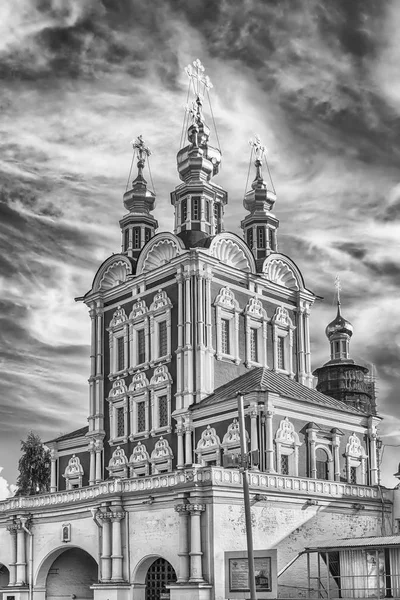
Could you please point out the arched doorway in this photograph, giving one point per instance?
(4, 576)
(71, 574)
(158, 575)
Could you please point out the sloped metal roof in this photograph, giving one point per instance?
(69, 436)
(364, 542)
(265, 380)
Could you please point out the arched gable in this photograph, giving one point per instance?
(232, 251)
(160, 250)
(113, 271)
(280, 269)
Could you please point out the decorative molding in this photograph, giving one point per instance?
(139, 309)
(161, 457)
(118, 464)
(230, 253)
(208, 447)
(119, 317)
(159, 254)
(73, 472)
(114, 275)
(139, 461)
(279, 272)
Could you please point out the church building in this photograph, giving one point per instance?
(145, 501)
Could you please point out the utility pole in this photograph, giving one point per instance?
(247, 511)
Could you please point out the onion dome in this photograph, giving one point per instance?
(339, 326)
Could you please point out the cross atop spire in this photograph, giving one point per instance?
(143, 151)
(196, 75)
(338, 287)
(257, 146)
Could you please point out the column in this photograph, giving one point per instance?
(116, 557)
(92, 314)
(196, 568)
(209, 366)
(300, 345)
(105, 518)
(13, 557)
(184, 556)
(188, 443)
(336, 456)
(313, 464)
(307, 346)
(269, 444)
(188, 347)
(181, 458)
(373, 452)
(179, 375)
(92, 463)
(98, 451)
(53, 470)
(253, 429)
(21, 555)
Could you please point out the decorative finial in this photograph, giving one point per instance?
(143, 151)
(338, 288)
(196, 74)
(257, 146)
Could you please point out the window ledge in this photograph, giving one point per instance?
(137, 368)
(161, 360)
(228, 358)
(139, 435)
(122, 373)
(118, 440)
(160, 430)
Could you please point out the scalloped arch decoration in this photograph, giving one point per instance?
(279, 272)
(160, 253)
(231, 254)
(115, 274)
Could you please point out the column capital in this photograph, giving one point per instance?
(117, 516)
(182, 509)
(12, 528)
(104, 516)
(196, 508)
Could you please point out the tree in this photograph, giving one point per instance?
(34, 467)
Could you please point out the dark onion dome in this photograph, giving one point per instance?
(339, 325)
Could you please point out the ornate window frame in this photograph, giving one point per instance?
(356, 457)
(139, 461)
(139, 320)
(287, 443)
(118, 398)
(256, 318)
(118, 463)
(282, 326)
(161, 457)
(330, 461)
(138, 392)
(73, 473)
(160, 385)
(209, 447)
(231, 439)
(118, 328)
(227, 307)
(160, 310)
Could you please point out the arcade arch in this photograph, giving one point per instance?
(68, 571)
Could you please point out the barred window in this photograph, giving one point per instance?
(253, 345)
(217, 217)
(261, 237)
(284, 464)
(250, 237)
(196, 208)
(126, 239)
(281, 353)
(225, 341)
(208, 210)
(136, 237)
(353, 474)
(184, 210)
(120, 354)
(162, 339)
(147, 234)
(141, 416)
(120, 422)
(141, 346)
(162, 411)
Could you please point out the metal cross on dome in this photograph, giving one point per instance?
(141, 148)
(257, 146)
(196, 74)
(338, 287)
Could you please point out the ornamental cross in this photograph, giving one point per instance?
(257, 146)
(338, 287)
(196, 74)
(140, 146)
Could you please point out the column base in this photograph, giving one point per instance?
(190, 591)
(111, 591)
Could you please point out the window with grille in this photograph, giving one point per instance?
(353, 474)
(285, 464)
(162, 339)
(196, 208)
(120, 422)
(141, 346)
(160, 573)
(136, 237)
(261, 237)
(207, 210)
(271, 239)
(253, 345)
(163, 411)
(184, 210)
(120, 354)
(147, 235)
(225, 336)
(250, 237)
(126, 239)
(141, 416)
(217, 217)
(281, 353)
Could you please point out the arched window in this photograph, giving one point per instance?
(160, 327)
(160, 386)
(139, 335)
(209, 447)
(282, 335)
(322, 464)
(227, 318)
(119, 340)
(256, 333)
(118, 400)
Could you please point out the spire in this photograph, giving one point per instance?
(339, 331)
(138, 226)
(260, 226)
(198, 201)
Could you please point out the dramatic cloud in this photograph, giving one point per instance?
(317, 80)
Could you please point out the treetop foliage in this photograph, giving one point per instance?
(33, 466)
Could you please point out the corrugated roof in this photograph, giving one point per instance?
(367, 542)
(265, 380)
(70, 436)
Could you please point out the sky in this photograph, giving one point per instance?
(318, 80)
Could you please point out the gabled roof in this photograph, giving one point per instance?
(70, 436)
(261, 379)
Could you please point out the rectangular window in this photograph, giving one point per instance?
(120, 354)
(162, 339)
(271, 239)
(225, 341)
(136, 237)
(120, 422)
(184, 210)
(253, 345)
(196, 208)
(147, 234)
(250, 237)
(322, 469)
(217, 217)
(141, 416)
(353, 474)
(337, 348)
(281, 353)
(163, 411)
(284, 464)
(260, 237)
(126, 239)
(141, 346)
(208, 211)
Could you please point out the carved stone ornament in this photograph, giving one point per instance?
(231, 439)
(226, 299)
(255, 309)
(139, 309)
(139, 382)
(116, 273)
(160, 301)
(119, 317)
(139, 461)
(281, 317)
(208, 447)
(161, 457)
(279, 272)
(159, 254)
(286, 433)
(118, 389)
(230, 253)
(354, 447)
(74, 468)
(161, 376)
(118, 464)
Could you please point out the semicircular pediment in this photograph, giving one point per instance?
(278, 271)
(113, 271)
(232, 252)
(159, 251)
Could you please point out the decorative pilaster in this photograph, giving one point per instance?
(196, 568)
(21, 555)
(188, 346)
(105, 518)
(336, 455)
(184, 556)
(301, 346)
(179, 350)
(180, 433)
(12, 566)
(98, 461)
(117, 556)
(53, 470)
(188, 442)
(307, 346)
(269, 443)
(311, 449)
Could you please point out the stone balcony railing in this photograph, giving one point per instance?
(265, 483)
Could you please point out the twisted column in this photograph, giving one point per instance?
(184, 557)
(196, 568)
